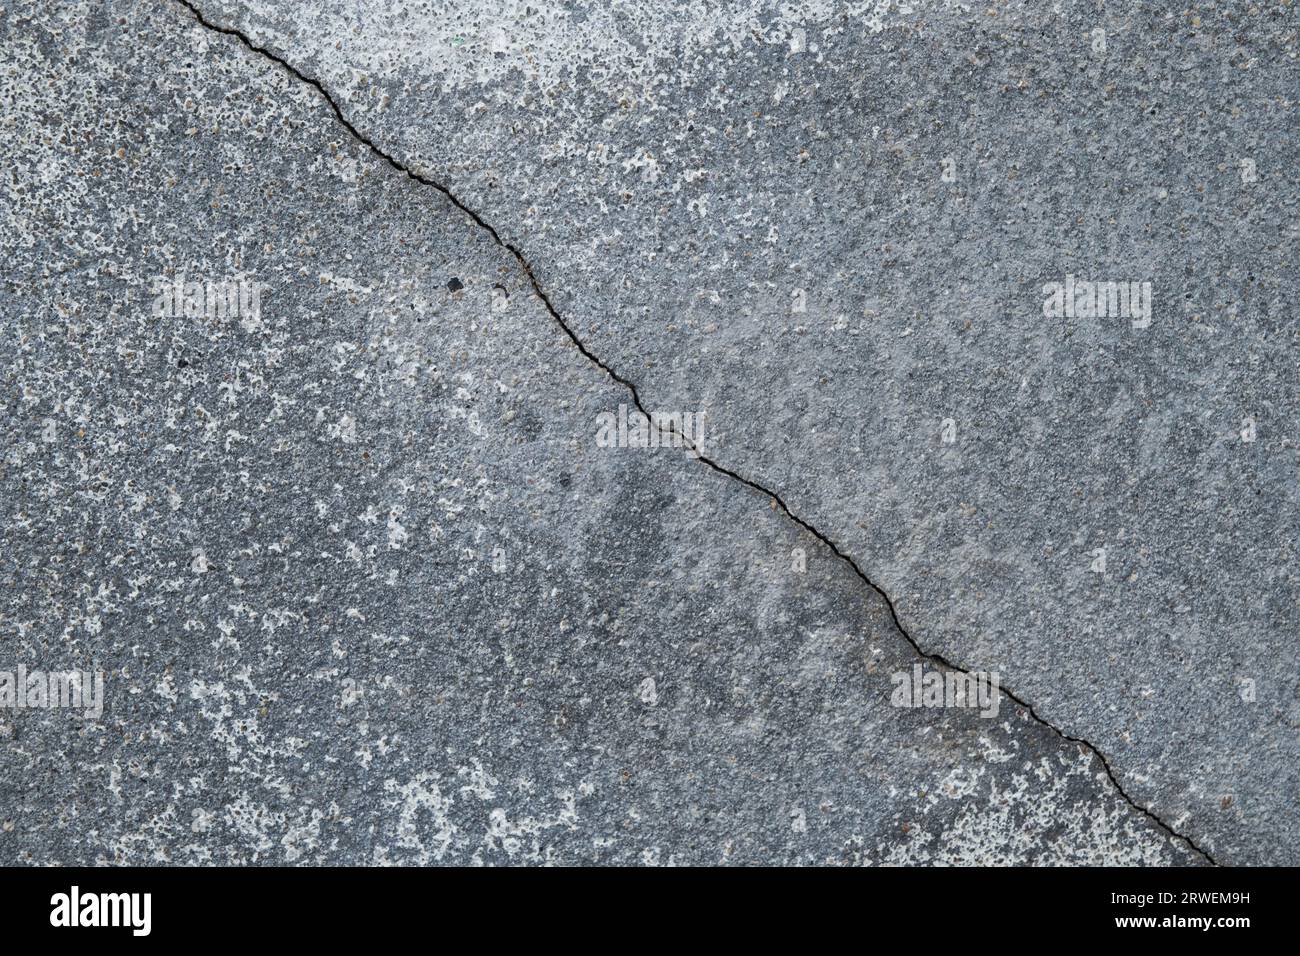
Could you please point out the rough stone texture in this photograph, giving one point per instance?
(364, 585)
(676, 176)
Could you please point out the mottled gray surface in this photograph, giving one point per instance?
(278, 537)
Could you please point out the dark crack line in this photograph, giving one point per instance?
(527, 268)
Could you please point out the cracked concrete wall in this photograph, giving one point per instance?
(365, 586)
(683, 181)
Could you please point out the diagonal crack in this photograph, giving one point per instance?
(524, 264)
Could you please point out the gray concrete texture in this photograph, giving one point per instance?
(367, 588)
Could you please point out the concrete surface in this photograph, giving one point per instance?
(365, 585)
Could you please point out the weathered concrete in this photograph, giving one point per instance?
(278, 535)
(683, 179)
